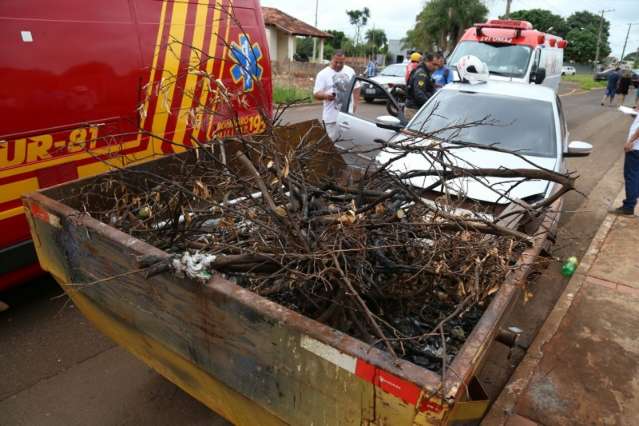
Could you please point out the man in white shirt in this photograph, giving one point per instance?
(333, 85)
(631, 169)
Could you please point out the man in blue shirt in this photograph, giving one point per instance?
(611, 88)
(443, 75)
(371, 69)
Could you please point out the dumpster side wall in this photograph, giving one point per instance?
(233, 357)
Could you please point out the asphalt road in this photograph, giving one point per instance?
(55, 369)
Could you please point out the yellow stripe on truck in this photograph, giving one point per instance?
(209, 65)
(191, 80)
(13, 191)
(229, 11)
(150, 88)
(98, 167)
(170, 69)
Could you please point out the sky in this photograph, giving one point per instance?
(397, 16)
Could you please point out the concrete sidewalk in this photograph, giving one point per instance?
(583, 366)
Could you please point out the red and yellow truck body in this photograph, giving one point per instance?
(88, 86)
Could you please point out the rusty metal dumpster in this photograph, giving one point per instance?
(249, 359)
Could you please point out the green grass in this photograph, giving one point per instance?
(585, 81)
(288, 94)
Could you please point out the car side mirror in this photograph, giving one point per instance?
(540, 75)
(389, 122)
(578, 149)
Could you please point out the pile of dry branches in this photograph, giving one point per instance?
(363, 252)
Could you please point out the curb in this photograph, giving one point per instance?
(504, 406)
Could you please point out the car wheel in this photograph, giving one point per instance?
(369, 100)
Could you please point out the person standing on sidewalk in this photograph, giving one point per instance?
(332, 86)
(611, 88)
(631, 169)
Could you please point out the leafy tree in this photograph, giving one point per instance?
(328, 51)
(441, 23)
(585, 19)
(582, 45)
(589, 22)
(358, 18)
(543, 20)
(337, 39)
(349, 48)
(376, 40)
(632, 56)
(304, 47)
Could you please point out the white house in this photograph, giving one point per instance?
(282, 30)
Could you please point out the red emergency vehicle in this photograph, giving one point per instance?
(514, 51)
(84, 84)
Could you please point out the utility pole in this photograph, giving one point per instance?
(623, 52)
(314, 38)
(508, 2)
(601, 19)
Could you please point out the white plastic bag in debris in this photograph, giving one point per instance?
(195, 265)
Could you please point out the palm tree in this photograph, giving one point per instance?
(441, 23)
(376, 39)
(358, 18)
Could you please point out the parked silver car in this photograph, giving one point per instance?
(525, 119)
(394, 74)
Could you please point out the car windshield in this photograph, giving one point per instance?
(396, 70)
(502, 59)
(517, 124)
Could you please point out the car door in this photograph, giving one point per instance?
(356, 120)
(564, 134)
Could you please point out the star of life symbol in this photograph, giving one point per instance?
(247, 69)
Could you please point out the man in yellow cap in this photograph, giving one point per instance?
(415, 60)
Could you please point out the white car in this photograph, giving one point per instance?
(391, 75)
(526, 118)
(568, 70)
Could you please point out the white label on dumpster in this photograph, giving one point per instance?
(329, 353)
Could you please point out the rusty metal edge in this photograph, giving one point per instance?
(471, 356)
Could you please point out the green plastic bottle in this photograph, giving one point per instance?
(569, 267)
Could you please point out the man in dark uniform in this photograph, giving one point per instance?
(420, 85)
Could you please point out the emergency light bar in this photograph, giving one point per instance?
(508, 24)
